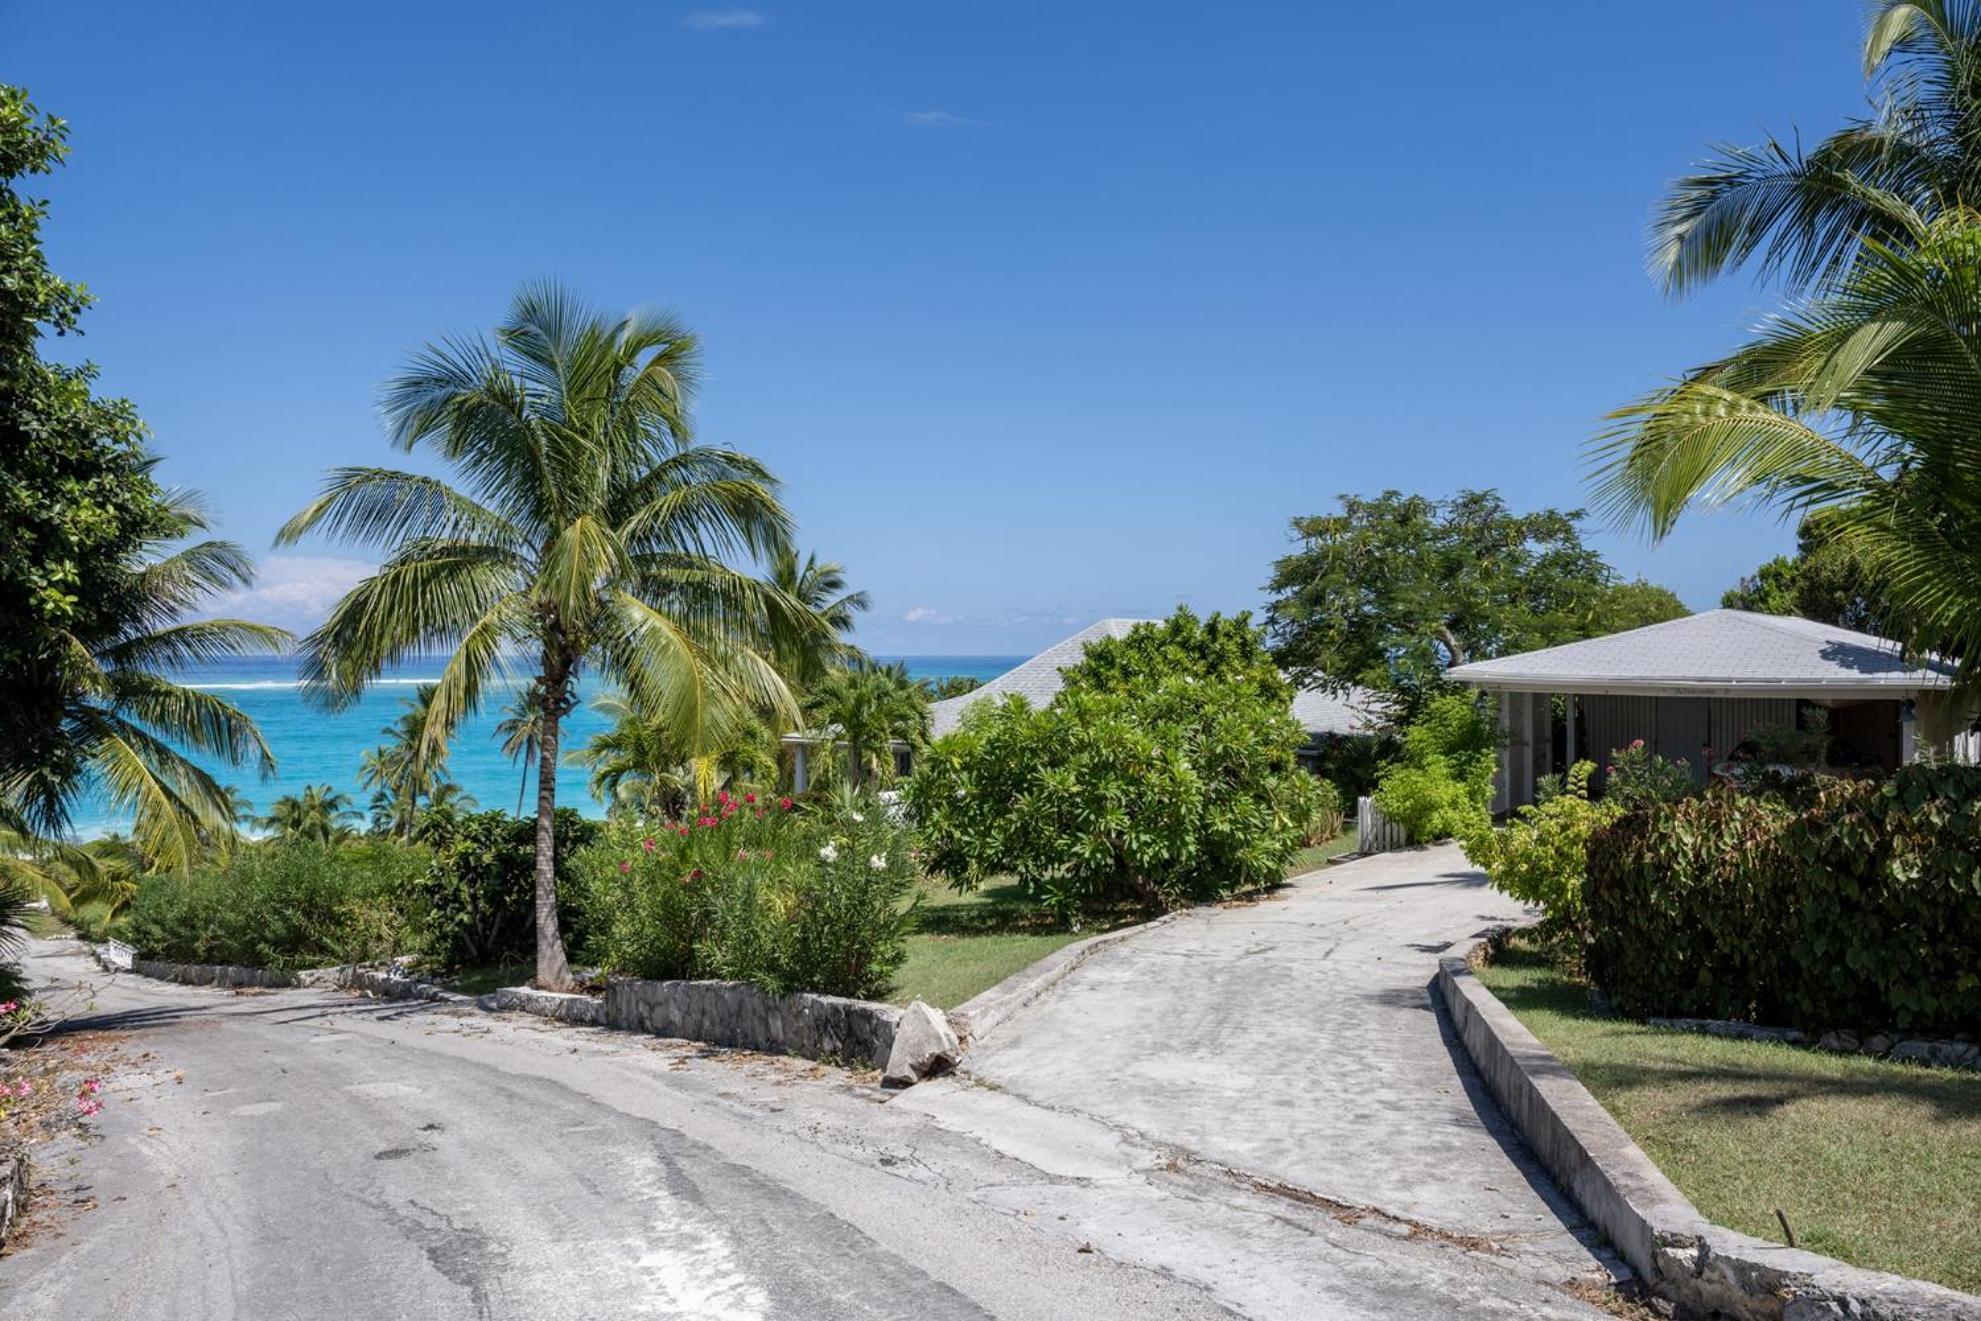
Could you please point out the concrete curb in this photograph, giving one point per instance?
(350, 977)
(15, 1171)
(1701, 1268)
(975, 1018)
(561, 1006)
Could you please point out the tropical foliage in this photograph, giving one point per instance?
(1827, 579)
(474, 903)
(1540, 856)
(585, 527)
(409, 770)
(860, 712)
(806, 654)
(1441, 784)
(321, 814)
(641, 765)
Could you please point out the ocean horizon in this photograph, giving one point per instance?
(312, 746)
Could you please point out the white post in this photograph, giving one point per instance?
(800, 770)
(1568, 701)
(1908, 734)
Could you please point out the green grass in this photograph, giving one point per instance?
(1316, 856)
(1873, 1162)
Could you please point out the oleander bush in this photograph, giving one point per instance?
(283, 905)
(1540, 856)
(788, 897)
(1441, 784)
(1164, 773)
(1860, 910)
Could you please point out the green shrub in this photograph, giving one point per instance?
(760, 891)
(1861, 910)
(1180, 791)
(1540, 857)
(1441, 785)
(1329, 816)
(287, 906)
(475, 903)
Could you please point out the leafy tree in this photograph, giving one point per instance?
(1182, 646)
(1441, 784)
(1800, 215)
(587, 528)
(91, 602)
(320, 814)
(1827, 579)
(521, 720)
(947, 686)
(1392, 591)
(409, 769)
(1863, 403)
(863, 710)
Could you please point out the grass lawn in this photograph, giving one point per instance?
(1876, 1163)
(968, 943)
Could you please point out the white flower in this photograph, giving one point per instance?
(828, 854)
(857, 818)
(878, 862)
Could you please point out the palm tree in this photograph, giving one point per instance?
(518, 731)
(122, 724)
(586, 527)
(951, 685)
(1801, 214)
(820, 588)
(864, 710)
(320, 814)
(1865, 403)
(410, 767)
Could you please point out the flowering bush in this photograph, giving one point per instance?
(1638, 777)
(753, 889)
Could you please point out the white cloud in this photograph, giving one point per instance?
(293, 591)
(937, 119)
(717, 20)
(921, 614)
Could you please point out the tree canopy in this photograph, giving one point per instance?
(1827, 579)
(1393, 590)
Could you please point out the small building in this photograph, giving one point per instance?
(1322, 714)
(1700, 686)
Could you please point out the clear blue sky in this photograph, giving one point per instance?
(1042, 311)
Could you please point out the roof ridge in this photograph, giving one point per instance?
(1783, 624)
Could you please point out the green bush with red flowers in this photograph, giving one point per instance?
(756, 889)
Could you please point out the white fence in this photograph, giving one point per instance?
(1374, 832)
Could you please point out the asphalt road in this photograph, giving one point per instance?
(314, 1155)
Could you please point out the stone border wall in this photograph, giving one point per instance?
(15, 1173)
(229, 974)
(1947, 1053)
(1703, 1269)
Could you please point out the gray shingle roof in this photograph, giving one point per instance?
(1733, 651)
(1038, 681)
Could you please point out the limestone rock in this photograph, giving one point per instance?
(924, 1045)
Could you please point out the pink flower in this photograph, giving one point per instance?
(1636, 743)
(707, 821)
(91, 1086)
(25, 1087)
(694, 875)
(723, 798)
(784, 804)
(742, 855)
(89, 1105)
(682, 829)
(749, 798)
(647, 843)
(624, 867)
(10, 1006)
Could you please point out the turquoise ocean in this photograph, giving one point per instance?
(312, 746)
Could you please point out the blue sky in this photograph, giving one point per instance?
(1042, 312)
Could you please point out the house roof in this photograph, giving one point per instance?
(1039, 680)
(1723, 653)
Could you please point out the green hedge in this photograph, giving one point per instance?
(1861, 909)
(476, 902)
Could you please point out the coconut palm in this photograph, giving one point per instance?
(863, 710)
(518, 731)
(320, 814)
(821, 589)
(643, 765)
(126, 730)
(1864, 402)
(408, 768)
(585, 527)
(1799, 214)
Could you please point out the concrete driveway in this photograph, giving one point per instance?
(1293, 1044)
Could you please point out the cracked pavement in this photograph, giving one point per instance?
(1162, 1135)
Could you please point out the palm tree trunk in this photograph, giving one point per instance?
(553, 970)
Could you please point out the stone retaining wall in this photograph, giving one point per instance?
(1703, 1269)
(738, 1014)
(14, 1176)
(230, 974)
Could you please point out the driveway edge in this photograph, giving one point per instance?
(1701, 1267)
(974, 1019)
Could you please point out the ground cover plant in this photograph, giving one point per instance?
(1872, 1161)
(752, 889)
(1441, 784)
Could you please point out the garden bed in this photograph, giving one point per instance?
(1874, 1162)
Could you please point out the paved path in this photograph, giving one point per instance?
(1294, 1043)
